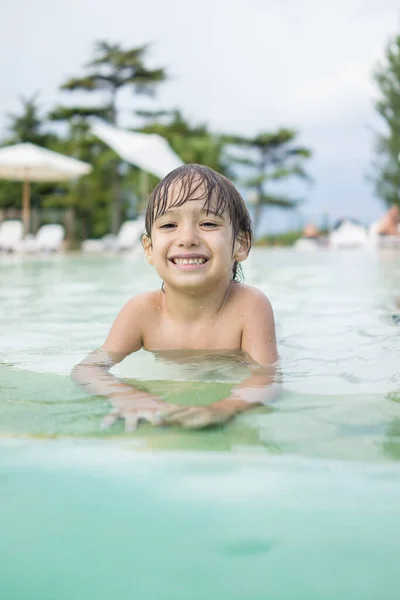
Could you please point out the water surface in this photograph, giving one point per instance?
(298, 500)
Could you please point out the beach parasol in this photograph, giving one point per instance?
(28, 162)
(148, 151)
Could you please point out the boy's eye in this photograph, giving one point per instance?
(209, 224)
(167, 225)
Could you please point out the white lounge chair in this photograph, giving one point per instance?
(127, 239)
(11, 233)
(306, 244)
(49, 238)
(349, 235)
(104, 244)
(129, 235)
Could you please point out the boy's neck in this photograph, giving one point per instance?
(192, 306)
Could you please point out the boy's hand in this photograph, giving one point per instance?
(198, 417)
(132, 410)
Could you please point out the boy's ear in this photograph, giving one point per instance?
(241, 249)
(148, 248)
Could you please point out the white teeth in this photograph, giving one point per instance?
(189, 261)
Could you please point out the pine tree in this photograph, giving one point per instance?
(270, 157)
(386, 174)
(112, 69)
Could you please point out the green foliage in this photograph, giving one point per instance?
(270, 157)
(77, 115)
(29, 125)
(91, 196)
(394, 397)
(386, 168)
(194, 143)
(114, 190)
(280, 239)
(113, 68)
(10, 194)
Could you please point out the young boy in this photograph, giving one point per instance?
(198, 231)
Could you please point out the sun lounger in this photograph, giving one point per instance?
(127, 239)
(49, 238)
(129, 235)
(307, 244)
(11, 233)
(349, 235)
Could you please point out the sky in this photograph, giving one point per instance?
(242, 66)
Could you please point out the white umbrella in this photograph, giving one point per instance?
(149, 151)
(27, 162)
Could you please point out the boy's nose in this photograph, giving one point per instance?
(188, 236)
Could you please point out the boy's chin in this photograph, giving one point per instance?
(194, 283)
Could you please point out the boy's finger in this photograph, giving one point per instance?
(131, 422)
(197, 421)
(193, 418)
(176, 416)
(201, 420)
(155, 418)
(110, 419)
(174, 410)
(167, 407)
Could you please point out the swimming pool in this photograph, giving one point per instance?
(297, 501)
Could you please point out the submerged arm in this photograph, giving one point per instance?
(129, 403)
(261, 387)
(93, 374)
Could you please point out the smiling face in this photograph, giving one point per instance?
(191, 247)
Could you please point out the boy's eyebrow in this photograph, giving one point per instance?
(168, 212)
(173, 211)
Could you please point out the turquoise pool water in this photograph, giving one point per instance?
(297, 501)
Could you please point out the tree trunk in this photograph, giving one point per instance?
(116, 215)
(258, 209)
(257, 218)
(117, 202)
(69, 223)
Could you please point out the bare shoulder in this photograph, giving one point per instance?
(252, 301)
(126, 333)
(143, 303)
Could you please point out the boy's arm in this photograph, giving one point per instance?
(93, 375)
(259, 342)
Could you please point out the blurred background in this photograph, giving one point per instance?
(298, 102)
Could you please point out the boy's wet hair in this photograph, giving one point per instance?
(197, 182)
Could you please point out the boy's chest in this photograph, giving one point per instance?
(218, 335)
